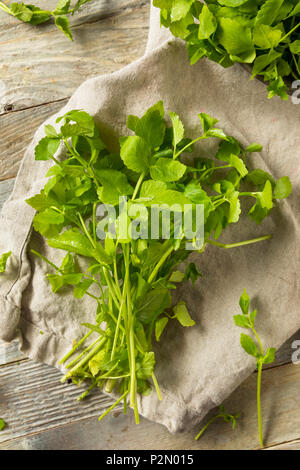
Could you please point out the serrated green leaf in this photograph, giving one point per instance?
(167, 170)
(207, 23)
(151, 127)
(234, 37)
(268, 12)
(145, 367)
(135, 153)
(46, 148)
(151, 305)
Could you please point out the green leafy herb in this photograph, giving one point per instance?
(132, 270)
(264, 34)
(254, 348)
(2, 424)
(228, 418)
(33, 15)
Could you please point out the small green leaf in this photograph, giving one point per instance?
(207, 122)
(152, 188)
(50, 131)
(283, 188)
(145, 368)
(235, 37)
(3, 261)
(238, 164)
(244, 302)
(167, 170)
(62, 7)
(192, 273)
(181, 313)
(63, 24)
(2, 424)
(151, 127)
(160, 325)
(279, 88)
(295, 47)
(241, 320)
(177, 276)
(254, 148)
(180, 9)
(266, 196)
(46, 148)
(178, 129)
(81, 288)
(207, 23)
(269, 356)
(248, 345)
(151, 305)
(253, 316)
(135, 153)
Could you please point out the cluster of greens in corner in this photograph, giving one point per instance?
(247, 320)
(34, 15)
(263, 33)
(131, 279)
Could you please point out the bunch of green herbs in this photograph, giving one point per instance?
(262, 33)
(134, 277)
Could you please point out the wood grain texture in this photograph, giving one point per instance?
(10, 353)
(55, 66)
(32, 399)
(41, 406)
(17, 130)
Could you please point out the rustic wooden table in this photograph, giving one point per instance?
(39, 70)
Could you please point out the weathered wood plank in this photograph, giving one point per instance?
(56, 66)
(10, 352)
(11, 27)
(17, 130)
(281, 419)
(32, 399)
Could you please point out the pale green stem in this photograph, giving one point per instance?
(234, 245)
(113, 406)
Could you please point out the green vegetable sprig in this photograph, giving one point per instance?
(34, 15)
(228, 418)
(131, 279)
(247, 320)
(2, 424)
(263, 33)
